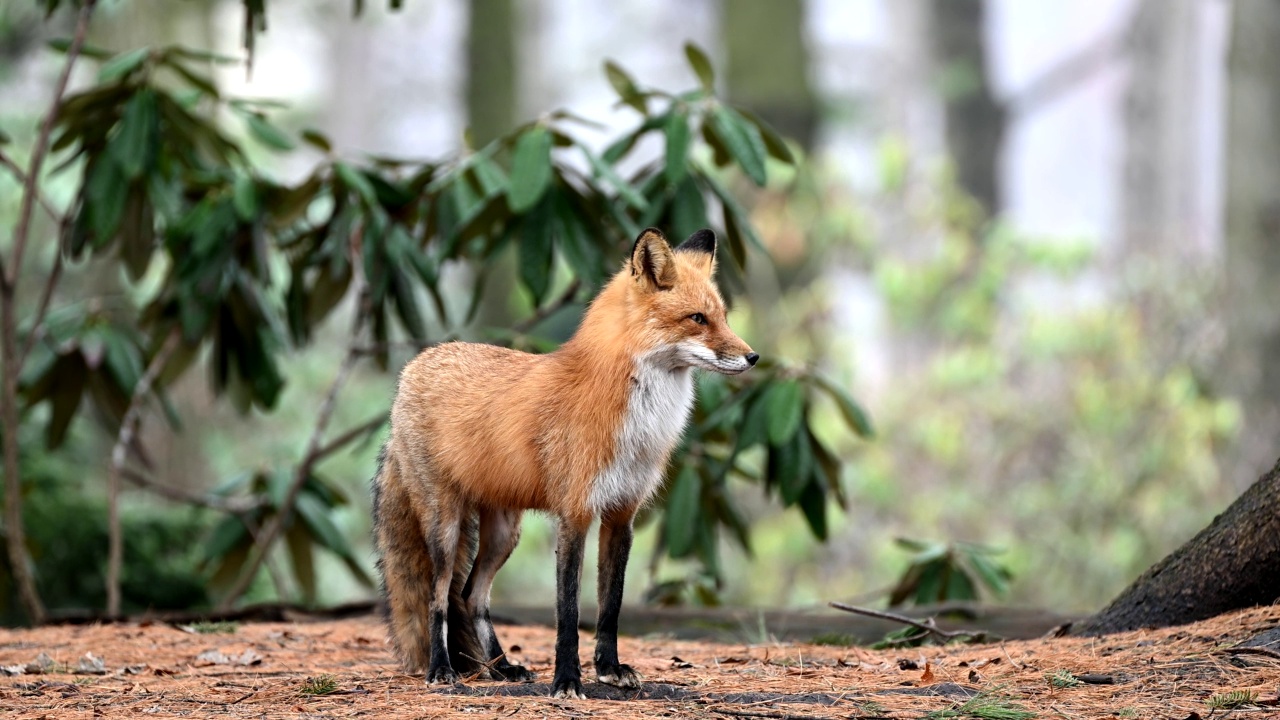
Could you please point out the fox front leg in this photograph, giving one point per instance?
(615, 547)
(570, 546)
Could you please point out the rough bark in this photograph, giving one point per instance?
(767, 64)
(491, 70)
(1251, 367)
(1232, 564)
(975, 119)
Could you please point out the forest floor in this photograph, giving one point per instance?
(338, 669)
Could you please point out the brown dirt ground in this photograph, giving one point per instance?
(157, 670)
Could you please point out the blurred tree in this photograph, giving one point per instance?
(767, 64)
(1251, 364)
(975, 119)
(1160, 130)
(492, 75)
(1235, 562)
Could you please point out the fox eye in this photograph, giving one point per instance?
(699, 318)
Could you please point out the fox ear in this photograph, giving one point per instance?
(652, 262)
(701, 245)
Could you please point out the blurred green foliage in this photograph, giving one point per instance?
(242, 270)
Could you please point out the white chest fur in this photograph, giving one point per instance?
(657, 409)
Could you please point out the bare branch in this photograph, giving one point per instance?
(235, 506)
(927, 626)
(345, 438)
(128, 428)
(37, 321)
(7, 162)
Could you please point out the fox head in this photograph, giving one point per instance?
(676, 307)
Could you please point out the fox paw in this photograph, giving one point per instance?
(569, 689)
(622, 676)
(512, 673)
(442, 675)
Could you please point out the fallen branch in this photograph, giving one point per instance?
(345, 438)
(128, 428)
(926, 626)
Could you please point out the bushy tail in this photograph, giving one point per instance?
(407, 572)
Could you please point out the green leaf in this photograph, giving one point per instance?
(785, 402)
(624, 86)
(69, 374)
(4, 137)
(536, 252)
(105, 192)
(245, 198)
(773, 142)
(225, 537)
(755, 422)
(624, 188)
(303, 560)
(317, 139)
(677, 132)
(814, 505)
(853, 413)
(701, 66)
(793, 464)
(122, 64)
(688, 209)
(530, 169)
(356, 180)
(266, 133)
(742, 140)
(577, 244)
(683, 510)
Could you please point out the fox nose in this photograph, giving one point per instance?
(752, 358)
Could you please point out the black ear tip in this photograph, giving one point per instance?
(702, 241)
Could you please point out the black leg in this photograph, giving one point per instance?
(569, 549)
(442, 545)
(499, 534)
(615, 547)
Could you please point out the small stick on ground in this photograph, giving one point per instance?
(927, 626)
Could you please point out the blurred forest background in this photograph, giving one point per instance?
(1034, 240)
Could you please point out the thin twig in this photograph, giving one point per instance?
(21, 176)
(15, 537)
(345, 438)
(235, 506)
(894, 617)
(37, 321)
(128, 429)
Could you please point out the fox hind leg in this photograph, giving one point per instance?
(442, 526)
(404, 564)
(499, 534)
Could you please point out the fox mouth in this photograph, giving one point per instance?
(703, 357)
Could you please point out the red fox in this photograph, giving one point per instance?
(480, 434)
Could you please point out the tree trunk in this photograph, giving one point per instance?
(1232, 564)
(1161, 114)
(1251, 368)
(767, 64)
(975, 120)
(491, 70)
